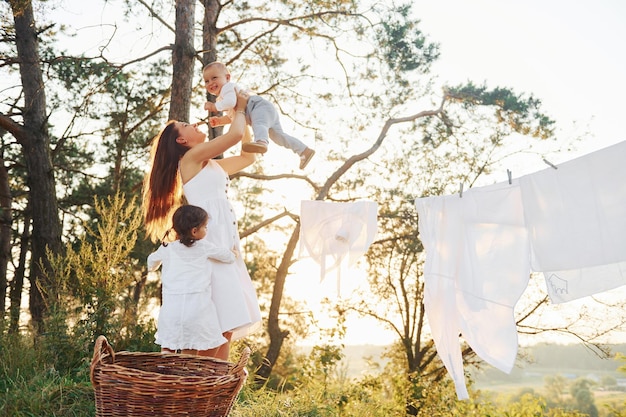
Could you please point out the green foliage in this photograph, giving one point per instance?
(532, 405)
(94, 285)
(556, 389)
(325, 359)
(48, 374)
(404, 46)
(521, 114)
(32, 386)
(580, 391)
(622, 358)
(47, 395)
(322, 395)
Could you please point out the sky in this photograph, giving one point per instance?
(569, 54)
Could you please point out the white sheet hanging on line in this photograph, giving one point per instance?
(576, 217)
(569, 223)
(475, 272)
(331, 232)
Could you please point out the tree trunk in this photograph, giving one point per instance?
(5, 232)
(209, 31)
(17, 285)
(183, 60)
(209, 49)
(35, 141)
(277, 336)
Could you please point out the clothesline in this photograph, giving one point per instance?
(509, 174)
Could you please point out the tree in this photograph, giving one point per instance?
(581, 392)
(556, 388)
(91, 100)
(183, 57)
(5, 230)
(608, 382)
(29, 126)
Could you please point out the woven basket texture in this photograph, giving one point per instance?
(163, 384)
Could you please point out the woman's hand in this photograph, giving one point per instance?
(219, 121)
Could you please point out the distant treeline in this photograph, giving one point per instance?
(541, 358)
(569, 357)
(536, 362)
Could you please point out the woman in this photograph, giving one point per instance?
(182, 161)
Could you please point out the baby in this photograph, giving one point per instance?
(260, 114)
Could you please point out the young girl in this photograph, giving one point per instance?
(188, 319)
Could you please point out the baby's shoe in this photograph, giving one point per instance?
(257, 146)
(305, 157)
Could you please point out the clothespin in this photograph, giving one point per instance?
(510, 174)
(550, 163)
(461, 190)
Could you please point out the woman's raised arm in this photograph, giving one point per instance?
(194, 158)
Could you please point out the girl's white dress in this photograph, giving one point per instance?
(188, 318)
(234, 294)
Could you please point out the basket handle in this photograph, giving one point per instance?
(243, 361)
(101, 348)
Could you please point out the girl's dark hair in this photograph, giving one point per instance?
(162, 187)
(185, 218)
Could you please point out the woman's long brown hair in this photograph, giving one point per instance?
(162, 187)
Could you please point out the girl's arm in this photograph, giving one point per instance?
(221, 255)
(155, 259)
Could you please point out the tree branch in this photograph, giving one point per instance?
(323, 193)
(264, 223)
(14, 128)
(156, 16)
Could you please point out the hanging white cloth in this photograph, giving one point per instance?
(568, 223)
(331, 232)
(576, 217)
(475, 272)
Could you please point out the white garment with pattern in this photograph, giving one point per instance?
(576, 217)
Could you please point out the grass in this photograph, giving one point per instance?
(30, 386)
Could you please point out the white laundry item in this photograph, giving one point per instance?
(568, 285)
(568, 223)
(475, 272)
(331, 232)
(576, 217)
(440, 270)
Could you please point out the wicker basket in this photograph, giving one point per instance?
(163, 384)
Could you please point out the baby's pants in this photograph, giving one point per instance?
(265, 122)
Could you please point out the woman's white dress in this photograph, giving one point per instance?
(188, 317)
(234, 294)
